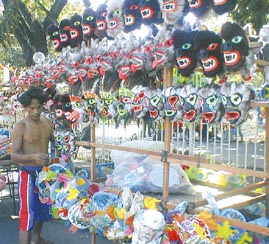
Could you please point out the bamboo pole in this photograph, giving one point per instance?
(267, 159)
(167, 81)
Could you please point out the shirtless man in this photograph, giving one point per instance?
(30, 139)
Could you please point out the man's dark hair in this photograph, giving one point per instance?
(33, 92)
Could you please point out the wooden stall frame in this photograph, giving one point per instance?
(194, 161)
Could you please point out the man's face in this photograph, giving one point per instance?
(34, 109)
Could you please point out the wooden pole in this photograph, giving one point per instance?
(267, 159)
(167, 81)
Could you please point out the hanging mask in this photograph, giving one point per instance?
(88, 23)
(223, 6)
(64, 32)
(90, 104)
(199, 7)
(65, 142)
(78, 112)
(140, 101)
(211, 103)
(155, 105)
(124, 69)
(172, 11)
(235, 46)
(132, 16)
(106, 99)
(236, 98)
(150, 12)
(189, 100)
(76, 31)
(53, 32)
(209, 53)
(115, 21)
(172, 108)
(66, 106)
(101, 25)
(185, 52)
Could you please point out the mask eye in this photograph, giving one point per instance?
(77, 23)
(192, 98)
(181, 101)
(77, 105)
(133, 7)
(90, 18)
(155, 100)
(224, 100)
(117, 12)
(236, 99)
(108, 101)
(212, 46)
(59, 147)
(59, 138)
(92, 101)
(104, 14)
(212, 100)
(66, 138)
(186, 46)
(237, 39)
(55, 33)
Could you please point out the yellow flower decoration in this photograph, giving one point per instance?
(151, 202)
(208, 219)
(81, 181)
(225, 230)
(245, 239)
(120, 213)
(72, 194)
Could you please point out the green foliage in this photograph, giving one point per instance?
(254, 12)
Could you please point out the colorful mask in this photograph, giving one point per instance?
(115, 21)
(209, 52)
(90, 104)
(64, 32)
(211, 103)
(235, 46)
(101, 25)
(199, 7)
(150, 12)
(65, 142)
(106, 99)
(189, 100)
(88, 23)
(236, 98)
(53, 32)
(173, 110)
(76, 31)
(185, 52)
(172, 11)
(78, 110)
(156, 104)
(223, 6)
(140, 101)
(132, 15)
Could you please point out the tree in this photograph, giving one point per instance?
(28, 29)
(253, 12)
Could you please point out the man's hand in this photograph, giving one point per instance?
(41, 158)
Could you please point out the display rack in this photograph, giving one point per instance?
(199, 162)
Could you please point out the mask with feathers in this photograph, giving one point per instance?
(53, 33)
(150, 12)
(76, 31)
(88, 23)
(211, 104)
(101, 25)
(208, 45)
(236, 98)
(235, 46)
(185, 51)
(132, 16)
(115, 21)
(64, 32)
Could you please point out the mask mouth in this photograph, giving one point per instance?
(183, 62)
(129, 20)
(208, 117)
(86, 29)
(210, 63)
(74, 33)
(169, 6)
(147, 12)
(231, 57)
(232, 115)
(101, 25)
(195, 3)
(219, 2)
(189, 115)
(112, 24)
